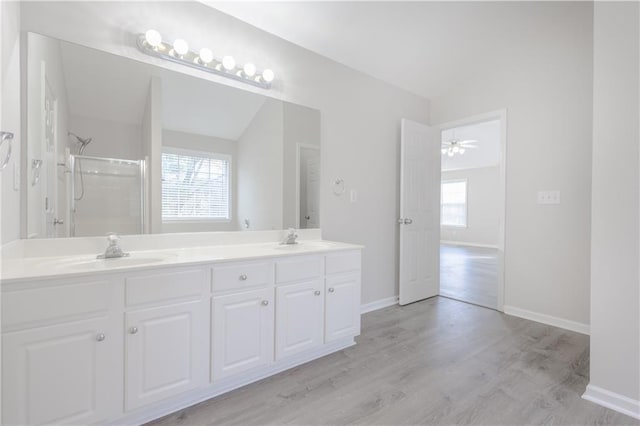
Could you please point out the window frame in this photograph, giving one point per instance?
(466, 203)
(207, 154)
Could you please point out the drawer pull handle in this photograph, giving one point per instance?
(100, 337)
(243, 277)
(265, 302)
(317, 292)
(133, 330)
(331, 289)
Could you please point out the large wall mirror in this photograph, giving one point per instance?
(117, 145)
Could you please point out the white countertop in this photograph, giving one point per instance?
(28, 268)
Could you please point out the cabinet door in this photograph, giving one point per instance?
(167, 351)
(342, 313)
(242, 332)
(69, 373)
(299, 317)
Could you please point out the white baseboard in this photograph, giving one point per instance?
(612, 400)
(460, 243)
(378, 304)
(578, 327)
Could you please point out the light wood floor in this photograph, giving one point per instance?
(470, 274)
(438, 362)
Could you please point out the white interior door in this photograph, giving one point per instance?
(419, 212)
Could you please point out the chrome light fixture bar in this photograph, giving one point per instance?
(151, 43)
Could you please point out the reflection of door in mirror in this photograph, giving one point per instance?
(308, 185)
(50, 184)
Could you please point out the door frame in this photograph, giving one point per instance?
(299, 147)
(501, 115)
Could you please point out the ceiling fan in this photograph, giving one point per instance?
(455, 146)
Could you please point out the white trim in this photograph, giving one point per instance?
(612, 400)
(171, 405)
(578, 327)
(460, 243)
(378, 304)
(501, 115)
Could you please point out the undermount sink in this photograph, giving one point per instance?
(84, 262)
(306, 245)
(116, 262)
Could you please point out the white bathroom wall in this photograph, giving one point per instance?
(195, 142)
(547, 92)
(483, 207)
(360, 114)
(10, 117)
(110, 139)
(260, 169)
(615, 214)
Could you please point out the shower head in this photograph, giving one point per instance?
(82, 141)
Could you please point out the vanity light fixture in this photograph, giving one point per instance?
(151, 43)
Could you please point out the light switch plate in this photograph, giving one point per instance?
(354, 196)
(549, 197)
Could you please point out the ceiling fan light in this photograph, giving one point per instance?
(461, 151)
(455, 149)
(444, 150)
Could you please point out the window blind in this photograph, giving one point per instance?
(195, 186)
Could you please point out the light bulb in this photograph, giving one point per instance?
(450, 154)
(153, 38)
(267, 75)
(228, 63)
(206, 55)
(444, 150)
(462, 150)
(456, 149)
(180, 46)
(249, 69)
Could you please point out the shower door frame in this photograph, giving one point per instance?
(143, 186)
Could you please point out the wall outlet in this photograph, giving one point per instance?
(549, 197)
(353, 196)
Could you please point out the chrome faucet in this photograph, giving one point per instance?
(113, 250)
(291, 237)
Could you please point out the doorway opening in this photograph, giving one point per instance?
(472, 209)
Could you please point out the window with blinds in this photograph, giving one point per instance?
(195, 185)
(453, 203)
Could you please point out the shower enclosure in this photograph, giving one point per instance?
(107, 195)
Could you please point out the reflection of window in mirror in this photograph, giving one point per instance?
(196, 185)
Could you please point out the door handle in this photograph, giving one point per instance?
(408, 221)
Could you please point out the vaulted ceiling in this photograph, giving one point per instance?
(428, 48)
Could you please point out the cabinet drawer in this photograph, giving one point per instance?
(298, 268)
(165, 286)
(238, 275)
(343, 262)
(65, 300)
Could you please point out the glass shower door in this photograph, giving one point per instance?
(107, 195)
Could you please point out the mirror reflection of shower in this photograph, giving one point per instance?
(82, 145)
(106, 194)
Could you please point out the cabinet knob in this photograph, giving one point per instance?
(133, 330)
(331, 289)
(243, 277)
(265, 302)
(317, 292)
(100, 337)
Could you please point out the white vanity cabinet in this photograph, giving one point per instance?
(61, 352)
(342, 282)
(166, 344)
(241, 317)
(299, 305)
(128, 346)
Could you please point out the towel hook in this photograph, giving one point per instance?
(6, 137)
